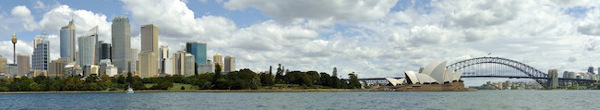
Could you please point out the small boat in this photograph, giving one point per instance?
(129, 89)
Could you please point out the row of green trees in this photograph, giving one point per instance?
(242, 79)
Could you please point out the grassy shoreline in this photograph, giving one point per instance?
(205, 91)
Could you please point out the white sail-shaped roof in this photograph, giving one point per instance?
(448, 75)
(456, 76)
(438, 73)
(412, 76)
(395, 81)
(424, 78)
(430, 67)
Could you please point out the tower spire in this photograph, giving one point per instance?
(14, 42)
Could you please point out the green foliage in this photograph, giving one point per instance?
(266, 79)
(243, 79)
(354, 84)
(300, 78)
(162, 85)
(324, 80)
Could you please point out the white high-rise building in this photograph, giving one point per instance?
(189, 64)
(229, 64)
(87, 48)
(163, 54)
(121, 44)
(41, 53)
(168, 66)
(179, 63)
(134, 59)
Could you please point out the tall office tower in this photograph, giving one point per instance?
(105, 51)
(67, 42)
(168, 69)
(218, 59)
(133, 59)
(3, 63)
(148, 63)
(121, 44)
(87, 48)
(23, 64)
(199, 52)
(163, 54)
(189, 65)
(229, 64)
(179, 63)
(41, 53)
(591, 70)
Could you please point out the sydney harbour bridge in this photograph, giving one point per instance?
(496, 67)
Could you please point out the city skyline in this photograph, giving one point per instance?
(397, 34)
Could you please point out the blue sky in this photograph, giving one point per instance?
(373, 38)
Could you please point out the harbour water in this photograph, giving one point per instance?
(478, 100)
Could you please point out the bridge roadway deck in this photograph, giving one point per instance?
(518, 77)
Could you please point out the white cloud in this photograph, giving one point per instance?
(298, 10)
(24, 15)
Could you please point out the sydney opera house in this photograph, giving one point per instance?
(433, 73)
(433, 77)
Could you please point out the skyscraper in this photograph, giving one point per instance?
(67, 42)
(198, 50)
(148, 56)
(105, 51)
(23, 64)
(133, 59)
(41, 53)
(163, 54)
(179, 62)
(189, 65)
(87, 48)
(229, 64)
(121, 46)
(218, 59)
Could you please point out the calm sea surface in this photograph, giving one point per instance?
(511, 100)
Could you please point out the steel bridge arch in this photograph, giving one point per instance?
(533, 73)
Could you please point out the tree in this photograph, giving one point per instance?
(279, 78)
(266, 79)
(34, 86)
(217, 72)
(162, 85)
(354, 81)
(335, 82)
(325, 80)
(129, 77)
(314, 76)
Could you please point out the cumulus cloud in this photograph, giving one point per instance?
(298, 10)
(24, 15)
(84, 20)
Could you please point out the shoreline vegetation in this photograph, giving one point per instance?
(199, 91)
(244, 80)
